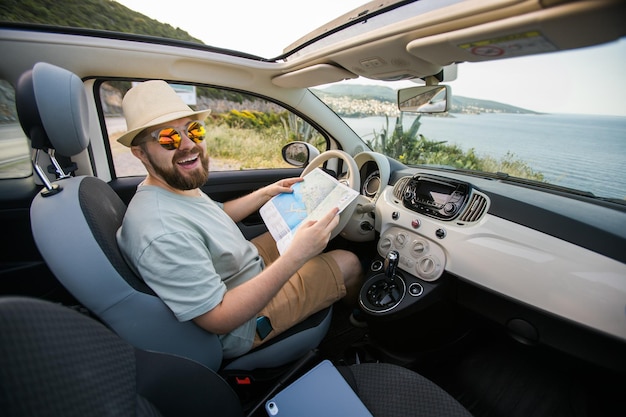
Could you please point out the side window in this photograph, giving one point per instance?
(243, 131)
(14, 146)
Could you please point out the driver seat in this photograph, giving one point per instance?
(74, 221)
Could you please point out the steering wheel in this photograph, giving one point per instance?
(353, 178)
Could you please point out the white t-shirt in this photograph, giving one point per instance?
(189, 251)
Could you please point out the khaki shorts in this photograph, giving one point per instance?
(317, 285)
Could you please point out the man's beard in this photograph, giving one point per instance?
(185, 180)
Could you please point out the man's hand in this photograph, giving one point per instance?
(282, 186)
(244, 206)
(312, 236)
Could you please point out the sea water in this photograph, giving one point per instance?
(583, 152)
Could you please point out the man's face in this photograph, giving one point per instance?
(184, 168)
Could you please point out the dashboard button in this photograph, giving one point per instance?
(376, 266)
(415, 289)
(407, 262)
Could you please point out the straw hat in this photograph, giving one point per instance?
(152, 103)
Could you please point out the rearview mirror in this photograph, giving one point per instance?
(299, 154)
(425, 99)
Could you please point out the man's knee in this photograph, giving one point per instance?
(349, 264)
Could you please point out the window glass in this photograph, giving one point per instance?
(14, 146)
(560, 134)
(243, 131)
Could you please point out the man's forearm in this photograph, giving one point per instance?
(243, 302)
(242, 207)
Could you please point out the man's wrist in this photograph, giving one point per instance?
(266, 195)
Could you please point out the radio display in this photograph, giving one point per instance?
(433, 194)
(435, 197)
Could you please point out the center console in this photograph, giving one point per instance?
(389, 292)
(402, 279)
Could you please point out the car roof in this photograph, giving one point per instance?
(392, 40)
(381, 40)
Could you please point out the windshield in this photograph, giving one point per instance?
(545, 125)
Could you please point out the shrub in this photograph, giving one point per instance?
(412, 148)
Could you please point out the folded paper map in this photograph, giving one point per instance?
(311, 199)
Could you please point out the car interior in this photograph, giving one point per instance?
(483, 295)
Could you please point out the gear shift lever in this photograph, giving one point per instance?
(388, 290)
(391, 264)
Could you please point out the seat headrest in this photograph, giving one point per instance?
(52, 109)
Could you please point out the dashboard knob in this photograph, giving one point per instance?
(419, 247)
(449, 207)
(385, 244)
(429, 268)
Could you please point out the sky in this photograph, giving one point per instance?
(264, 28)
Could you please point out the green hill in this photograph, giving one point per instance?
(359, 92)
(460, 104)
(92, 14)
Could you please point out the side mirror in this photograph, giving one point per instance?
(299, 154)
(425, 99)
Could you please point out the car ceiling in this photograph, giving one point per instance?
(408, 42)
(417, 44)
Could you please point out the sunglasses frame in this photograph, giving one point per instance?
(176, 144)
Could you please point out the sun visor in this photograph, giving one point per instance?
(311, 76)
(555, 29)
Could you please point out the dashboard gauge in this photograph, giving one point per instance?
(371, 184)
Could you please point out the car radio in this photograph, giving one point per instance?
(435, 196)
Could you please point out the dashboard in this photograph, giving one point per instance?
(518, 244)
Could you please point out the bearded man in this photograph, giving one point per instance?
(189, 250)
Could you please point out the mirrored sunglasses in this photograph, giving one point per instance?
(169, 137)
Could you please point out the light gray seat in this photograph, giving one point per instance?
(74, 221)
